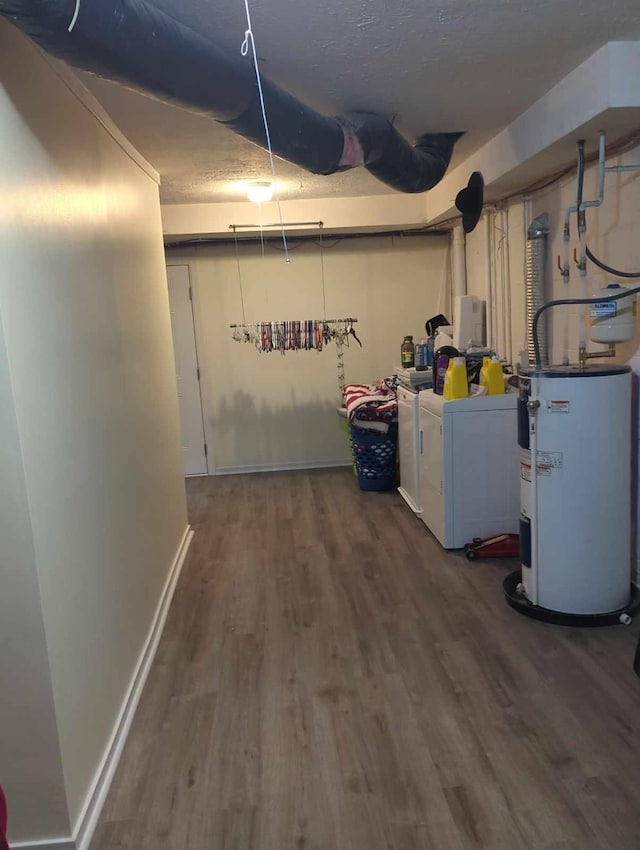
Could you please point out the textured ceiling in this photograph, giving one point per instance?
(437, 66)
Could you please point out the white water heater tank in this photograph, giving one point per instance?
(576, 497)
(613, 321)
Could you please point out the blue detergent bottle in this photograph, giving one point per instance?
(430, 345)
(421, 356)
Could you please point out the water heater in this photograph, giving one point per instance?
(574, 433)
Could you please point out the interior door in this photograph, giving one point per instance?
(194, 449)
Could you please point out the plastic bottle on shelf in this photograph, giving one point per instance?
(421, 356)
(407, 353)
(444, 336)
(430, 348)
(455, 379)
(440, 366)
(491, 376)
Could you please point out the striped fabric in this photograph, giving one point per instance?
(372, 403)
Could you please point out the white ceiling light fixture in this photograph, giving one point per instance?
(260, 191)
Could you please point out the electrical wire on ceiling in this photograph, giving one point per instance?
(249, 41)
(324, 292)
(244, 315)
(75, 16)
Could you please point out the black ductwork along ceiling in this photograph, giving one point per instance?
(139, 46)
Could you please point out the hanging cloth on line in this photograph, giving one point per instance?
(309, 335)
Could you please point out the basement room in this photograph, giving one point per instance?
(319, 432)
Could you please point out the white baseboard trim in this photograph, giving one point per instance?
(417, 511)
(282, 467)
(90, 813)
(88, 819)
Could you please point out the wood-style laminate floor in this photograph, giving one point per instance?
(330, 679)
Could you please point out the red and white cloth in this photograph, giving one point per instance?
(372, 406)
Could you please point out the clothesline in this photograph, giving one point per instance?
(309, 335)
(319, 321)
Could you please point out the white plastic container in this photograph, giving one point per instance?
(444, 336)
(613, 321)
(468, 322)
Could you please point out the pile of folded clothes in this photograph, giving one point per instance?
(372, 407)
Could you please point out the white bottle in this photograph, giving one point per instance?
(443, 336)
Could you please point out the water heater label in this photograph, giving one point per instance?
(604, 310)
(557, 407)
(547, 462)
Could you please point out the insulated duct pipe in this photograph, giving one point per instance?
(536, 258)
(134, 43)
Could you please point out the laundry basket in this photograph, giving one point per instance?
(375, 455)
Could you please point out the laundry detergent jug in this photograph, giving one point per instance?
(491, 376)
(455, 379)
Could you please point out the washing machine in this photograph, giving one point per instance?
(469, 466)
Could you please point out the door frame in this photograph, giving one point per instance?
(175, 261)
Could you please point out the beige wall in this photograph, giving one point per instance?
(30, 763)
(84, 304)
(272, 411)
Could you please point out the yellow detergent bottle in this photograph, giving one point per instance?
(455, 379)
(491, 376)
